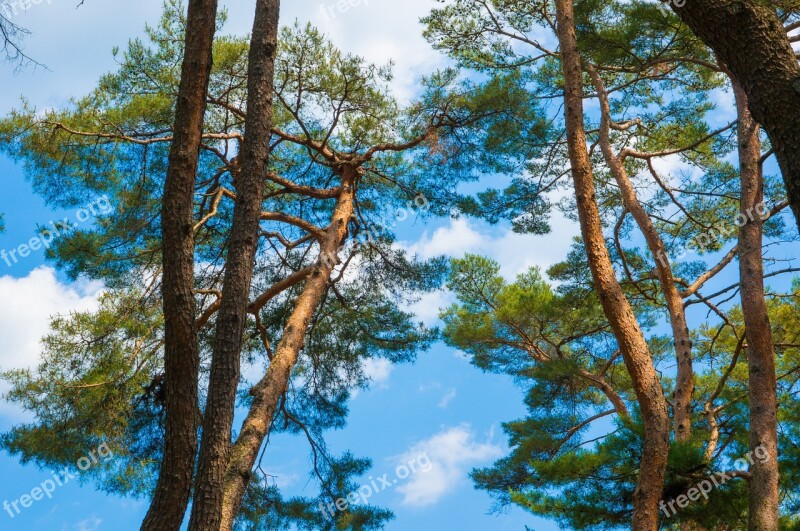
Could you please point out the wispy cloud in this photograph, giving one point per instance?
(453, 452)
(90, 524)
(447, 398)
(515, 252)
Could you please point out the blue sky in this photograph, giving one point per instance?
(440, 406)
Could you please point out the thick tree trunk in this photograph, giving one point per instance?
(242, 246)
(760, 347)
(269, 390)
(617, 309)
(750, 39)
(181, 358)
(684, 387)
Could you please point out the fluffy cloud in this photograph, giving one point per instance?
(378, 370)
(452, 452)
(515, 252)
(455, 239)
(387, 30)
(28, 304)
(429, 305)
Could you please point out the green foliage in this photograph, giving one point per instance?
(570, 451)
(662, 85)
(265, 509)
(494, 123)
(102, 375)
(656, 71)
(557, 348)
(98, 382)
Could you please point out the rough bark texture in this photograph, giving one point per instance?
(242, 246)
(750, 39)
(181, 358)
(760, 347)
(684, 386)
(617, 309)
(267, 393)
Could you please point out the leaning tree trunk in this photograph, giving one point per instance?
(181, 357)
(616, 306)
(760, 347)
(684, 385)
(750, 39)
(242, 246)
(268, 391)
(681, 339)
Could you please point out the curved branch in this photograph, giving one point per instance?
(318, 232)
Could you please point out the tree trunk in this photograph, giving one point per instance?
(268, 392)
(616, 307)
(760, 347)
(181, 357)
(242, 246)
(684, 386)
(750, 39)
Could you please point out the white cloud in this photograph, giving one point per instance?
(515, 252)
(28, 304)
(447, 398)
(452, 452)
(283, 478)
(670, 167)
(387, 30)
(90, 524)
(378, 370)
(461, 355)
(429, 305)
(454, 239)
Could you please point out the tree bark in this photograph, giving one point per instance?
(684, 386)
(764, 511)
(750, 39)
(267, 393)
(242, 246)
(181, 356)
(616, 307)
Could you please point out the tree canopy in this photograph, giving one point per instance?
(648, 364)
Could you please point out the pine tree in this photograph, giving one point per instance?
(652, 79)
(330, 289)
